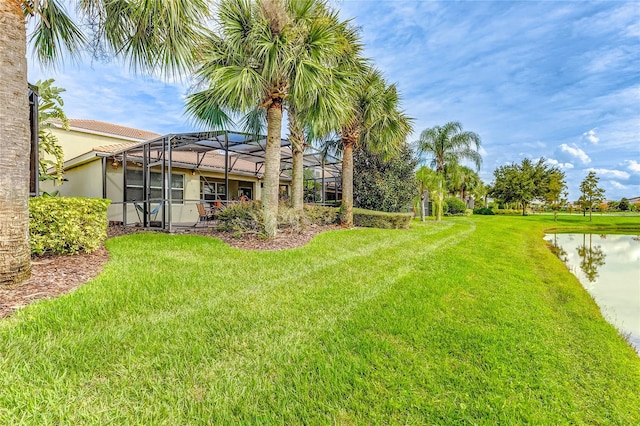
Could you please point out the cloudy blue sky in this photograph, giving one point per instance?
(552, 79)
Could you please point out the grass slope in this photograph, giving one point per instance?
(470, 320)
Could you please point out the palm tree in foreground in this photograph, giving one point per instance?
(151, 34)
(375, 121)
(448, 145)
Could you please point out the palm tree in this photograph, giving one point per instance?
(375, 121)
(151, 34)
(430, 182)
(327, 41)
(261, 58)
(448, 145)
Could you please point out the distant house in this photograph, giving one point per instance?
(160, 180)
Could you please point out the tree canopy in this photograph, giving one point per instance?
(591, 192)
(384, 184)
(522, 183)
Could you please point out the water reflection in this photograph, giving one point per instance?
(591, 257)
(608, 266)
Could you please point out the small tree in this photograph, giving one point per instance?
(591, 192)
(556, 194)
(623, 205)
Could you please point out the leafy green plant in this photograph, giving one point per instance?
(66, 225)
(321, 215)
(242, 217)
(455, 206)
(484, 211)
(50, 105)
(383, 220)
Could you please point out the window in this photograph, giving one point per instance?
(135, 189)
(245, 189)
(211, 189)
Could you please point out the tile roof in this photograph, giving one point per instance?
(113, 129)
(112, 148)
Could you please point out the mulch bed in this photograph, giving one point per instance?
(53, 276)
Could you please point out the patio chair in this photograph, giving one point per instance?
(205, 214)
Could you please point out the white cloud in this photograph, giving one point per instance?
(610, 174)
(554, 162)
(618, 185)
(591, 135)
(574, 151)
(632, 165)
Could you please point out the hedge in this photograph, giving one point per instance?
(67, 225)
(374, 219)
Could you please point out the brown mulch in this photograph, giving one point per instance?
(53, 276)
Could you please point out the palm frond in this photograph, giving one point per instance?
(54, 32)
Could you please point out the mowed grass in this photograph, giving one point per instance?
(467, 321)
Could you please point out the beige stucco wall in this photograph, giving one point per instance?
(75, 143)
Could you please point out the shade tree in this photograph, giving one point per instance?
(522, 183)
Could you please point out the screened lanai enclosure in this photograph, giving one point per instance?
(167, 182)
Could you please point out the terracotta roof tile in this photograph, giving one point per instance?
(113, 129)
(112, 148)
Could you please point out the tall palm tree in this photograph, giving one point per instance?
(261, 57)
(151, 34)
(327, 41)
(375, 121)
(448, 145)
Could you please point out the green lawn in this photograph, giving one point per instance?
(467, 321)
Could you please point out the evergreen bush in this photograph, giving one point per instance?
(242, 217)
(374, 219)
(67, 225)
(320, 215)
(483, 211)
(455, 206)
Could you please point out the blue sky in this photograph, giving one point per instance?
(559, 80)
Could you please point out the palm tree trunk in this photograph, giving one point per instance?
(296, 137)
(297, 193)
(15, 253)
(271, 181)
(440, 200)
(346, 217)
(422, 199)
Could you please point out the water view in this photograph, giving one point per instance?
(608, 266)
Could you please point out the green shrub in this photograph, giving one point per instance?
(67, 225)
(484, 211)
(247, 217)
(455, 206)
(508, 211)
(320, 215)
(242, 217)
(374, 219)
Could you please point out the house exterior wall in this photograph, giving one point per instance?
(84, 172)
(76, 143)
(85, 180)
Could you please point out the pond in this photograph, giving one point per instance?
(608, 266)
